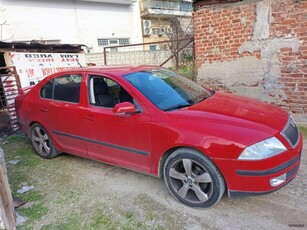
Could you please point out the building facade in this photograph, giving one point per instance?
(166, 19)
(94, 23)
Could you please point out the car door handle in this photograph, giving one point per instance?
(44, 110)
(89, 117)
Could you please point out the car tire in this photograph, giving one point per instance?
(42, 142)
(193, 179)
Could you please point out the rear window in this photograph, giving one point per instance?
(63, 88)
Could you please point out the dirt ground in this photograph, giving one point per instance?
(84, 194)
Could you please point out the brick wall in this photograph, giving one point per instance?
(254, 48)
(290, 20)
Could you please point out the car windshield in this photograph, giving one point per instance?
(166, 89)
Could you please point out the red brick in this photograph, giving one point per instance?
(228, 35)
(285, 49)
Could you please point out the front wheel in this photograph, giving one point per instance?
(193, 179)
(42, 143)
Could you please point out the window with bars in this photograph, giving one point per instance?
(103, 42)
(112, 41)
(123, 41)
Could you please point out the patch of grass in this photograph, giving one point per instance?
(140, 225)
(102, 221)
(71, 221)
(29, 158)
(303, 129)
(99, 219)
(18, 137)
(129, 215)
(17, 147)
(35, 212)
(15, 181)
(46, 227)
(69, 196)
(33, 196)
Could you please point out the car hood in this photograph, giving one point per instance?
(234, 110)
(245, 108)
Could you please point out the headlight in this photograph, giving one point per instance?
(264, 149)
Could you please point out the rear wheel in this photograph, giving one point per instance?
(42, 143)
(193, 179)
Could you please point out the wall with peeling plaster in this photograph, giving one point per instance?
(255, 48)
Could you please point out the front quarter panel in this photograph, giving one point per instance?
(214, 135)
(209, 138)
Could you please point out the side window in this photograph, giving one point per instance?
(105, 92)
(47, 90)
(63, 88)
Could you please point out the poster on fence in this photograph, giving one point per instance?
(33, 67)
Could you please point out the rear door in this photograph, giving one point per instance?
(120, 139)
(60, 108)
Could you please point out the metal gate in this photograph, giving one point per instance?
(9, 84)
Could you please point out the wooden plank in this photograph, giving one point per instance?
(7, 216)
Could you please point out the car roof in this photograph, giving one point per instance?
(117, 69)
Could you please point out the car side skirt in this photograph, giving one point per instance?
(136, 151)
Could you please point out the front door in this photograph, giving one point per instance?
(119, 139)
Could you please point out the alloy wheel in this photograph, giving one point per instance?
(190, 181)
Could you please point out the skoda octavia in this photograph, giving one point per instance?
(149, 119)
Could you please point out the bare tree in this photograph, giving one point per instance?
(172, 20)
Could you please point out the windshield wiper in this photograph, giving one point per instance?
(180, 106)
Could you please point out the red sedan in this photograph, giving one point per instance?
(151, 120)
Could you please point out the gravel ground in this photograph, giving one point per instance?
(78, 190)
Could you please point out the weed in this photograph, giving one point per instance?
(303, 130)
(18, 137)
(102, 221)
(35, 212)
(187, 71)
(129, 215)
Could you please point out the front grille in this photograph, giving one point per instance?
(291, 133)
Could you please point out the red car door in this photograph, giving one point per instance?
(119, 139)
(60, 112)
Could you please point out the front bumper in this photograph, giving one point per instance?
(289, 176)
(245, 178)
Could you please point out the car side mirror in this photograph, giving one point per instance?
(125, 108)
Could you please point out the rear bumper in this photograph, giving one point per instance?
(23, 126)
(246, 178)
